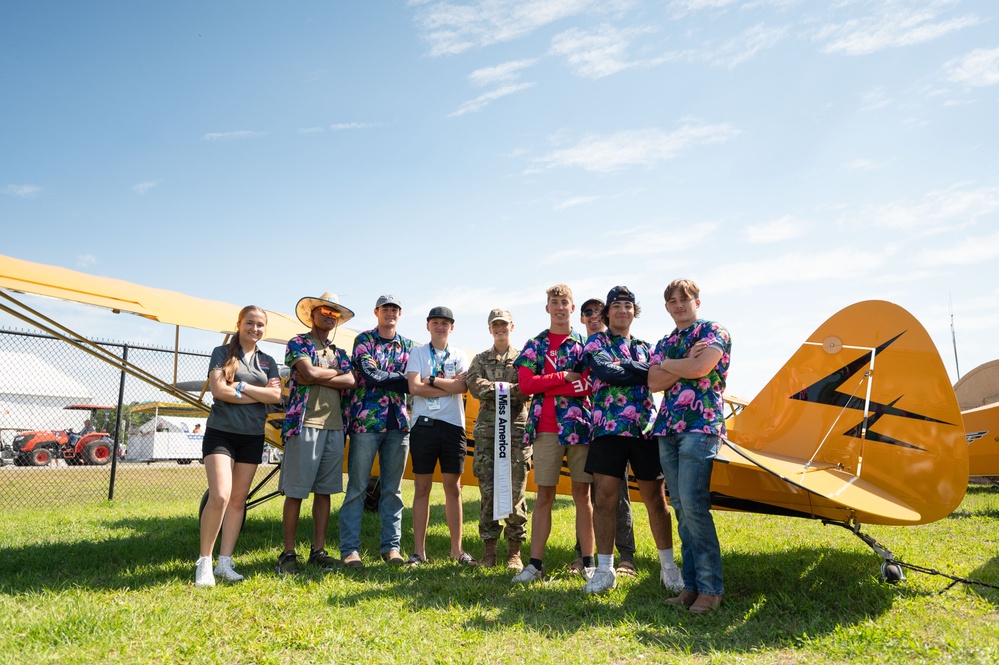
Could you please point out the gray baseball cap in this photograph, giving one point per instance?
(387, 299)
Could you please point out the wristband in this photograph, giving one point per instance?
(239, 388)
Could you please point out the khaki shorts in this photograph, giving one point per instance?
(548, 456)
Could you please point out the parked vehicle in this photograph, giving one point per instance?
(40, 447)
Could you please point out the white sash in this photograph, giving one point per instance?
(502, 485)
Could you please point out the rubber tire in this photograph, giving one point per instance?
(201, 509)
(40, 457)
(98, 453)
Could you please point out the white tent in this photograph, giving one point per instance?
(33, 394)
(166, 438)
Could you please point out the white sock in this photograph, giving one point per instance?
(606, 561)
(666, 558)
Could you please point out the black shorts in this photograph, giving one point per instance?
(431, 440)
(243, 448)
(610, 455)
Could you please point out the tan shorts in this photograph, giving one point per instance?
(548, 456)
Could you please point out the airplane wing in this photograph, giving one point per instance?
(148, 302)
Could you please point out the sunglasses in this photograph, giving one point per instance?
(589, 311)
(329, 311)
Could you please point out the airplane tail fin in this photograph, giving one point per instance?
(863, 415)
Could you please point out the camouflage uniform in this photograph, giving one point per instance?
(486, 369)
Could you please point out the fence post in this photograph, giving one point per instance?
(117, 425)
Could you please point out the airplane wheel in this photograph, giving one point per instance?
(892, 573)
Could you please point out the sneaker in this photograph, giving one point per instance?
(323, 560)
(225, 571)
(602, 581)
(287, 564)
(588, 573)
(203, 573)
(671, 579)
(529, 574)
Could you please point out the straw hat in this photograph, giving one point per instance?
(305, 306)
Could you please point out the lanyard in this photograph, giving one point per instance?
(434, 366)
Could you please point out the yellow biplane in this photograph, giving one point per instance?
(860, 426)
(978, 394)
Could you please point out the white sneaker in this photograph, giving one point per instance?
(203, 573)
(671, 578)
(225, 571)
(588, 573)
(602, 581)
(528, 574)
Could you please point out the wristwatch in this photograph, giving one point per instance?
(431, 381)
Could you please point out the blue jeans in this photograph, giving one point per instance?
(392, 447)
(687, 460)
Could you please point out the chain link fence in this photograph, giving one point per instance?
(63, 437)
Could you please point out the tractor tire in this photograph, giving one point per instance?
(98, 453)
(40, 457)
(201, 510)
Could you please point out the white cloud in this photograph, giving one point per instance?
(451, 28)
(485, 99)
(744, 46)
(23, 191)
(798, 268)
(575, 201)
(978, 68)
(596, 53)
(893, 25)
(143, 187)
(941, 210)
(783, 228)
(966, 252)
(640, 241)
(341, 126)
(503, 73)
(874, 99)
(645, 147)
(85, 260)
(681, 8)
(862, 164)
(232, 136)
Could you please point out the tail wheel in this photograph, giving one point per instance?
(98, 453)
(40, 456)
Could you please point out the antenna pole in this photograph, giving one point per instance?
(953, 337)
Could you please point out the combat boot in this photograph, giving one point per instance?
(488, 559)
(513, 561)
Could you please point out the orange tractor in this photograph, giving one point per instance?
(39, 448)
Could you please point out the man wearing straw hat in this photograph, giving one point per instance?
(313, 431)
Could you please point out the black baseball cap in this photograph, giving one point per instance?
(441, 312)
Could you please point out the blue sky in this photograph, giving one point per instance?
(792, 157)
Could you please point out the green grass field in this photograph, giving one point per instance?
(104, 582)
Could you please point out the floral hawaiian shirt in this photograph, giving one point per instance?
(302, 346)
(571, 412)
(694, 405)
(620, 410)
(378, 408)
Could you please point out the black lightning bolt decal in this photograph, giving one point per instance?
(826, 391)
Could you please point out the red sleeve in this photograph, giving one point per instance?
(551, 385)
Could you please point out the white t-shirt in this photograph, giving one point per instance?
(427, 361)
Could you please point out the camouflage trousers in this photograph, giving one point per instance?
(482, 467)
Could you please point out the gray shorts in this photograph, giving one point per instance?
(312, 463)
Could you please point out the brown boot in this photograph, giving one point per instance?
(705, 604)
(488, 559)
(513, 561)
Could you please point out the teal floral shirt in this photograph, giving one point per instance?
(302, 346)
(571, 411)
(379, 401)
(622, 402)
(694, 405)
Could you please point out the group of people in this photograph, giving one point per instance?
(585, 402)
